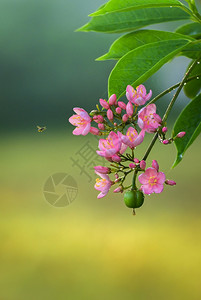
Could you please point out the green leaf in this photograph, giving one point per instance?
(136, 39)
(131, 20)
(139, 64)
(192, 50)
(193, 87)
(119, 5)
(192, 29)
(189, 121)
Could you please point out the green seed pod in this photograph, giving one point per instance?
(134, 199)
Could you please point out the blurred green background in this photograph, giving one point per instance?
(90, 249)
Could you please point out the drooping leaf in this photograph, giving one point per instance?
(189, 121)
(192, 29)
(136, 39)
(139, 64)
(130, 20)
(193, 87)
(119, 5)
(192, 50)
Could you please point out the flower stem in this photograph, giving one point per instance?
(171, 88)
(174, 98)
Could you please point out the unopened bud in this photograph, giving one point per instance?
(118, 190)
(118, 110)
(132, 166)
(170, 182)
(129, 109)
(102, 170)
(101, 126)
(98, 119)
(164, 129)
(143, 164)
(116, 158)
(136, 160)
(155, 165)
(94, 131)
(110, 114)
(165, 142)
(125, 118)
(122, 105)
(104, 103)
(181, 134)
(112, 99)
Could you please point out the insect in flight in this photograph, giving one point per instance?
(41, 128)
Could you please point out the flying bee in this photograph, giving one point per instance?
(41, 128)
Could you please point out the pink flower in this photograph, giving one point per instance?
(102, 170)
(148, 120)
(152, 181)
(110, 146)
(138, 96)
(103, 185)
(132, 139)
(81, 120)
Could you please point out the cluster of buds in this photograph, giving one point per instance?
(125, 126)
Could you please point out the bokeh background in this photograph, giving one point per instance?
(90, 249)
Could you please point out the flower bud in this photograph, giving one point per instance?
(181, 134)
(116, 176)
(122, 105)
(118, 110)
(125, 118)
(143, 164)
(118, 190)
(136, 160)
(94, 131)
(112, 99)
(165, 142)
(110, 114)
(116, 158)
(170, 182)
(164, 129)
(101, 126)
(155, 165)
(129, 109)
(102, 170)
(132, 166)
(104, 104)
(115, 124)
(98, 119)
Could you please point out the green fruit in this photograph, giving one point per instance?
(134, 199)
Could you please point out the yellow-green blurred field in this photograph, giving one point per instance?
(95, 249)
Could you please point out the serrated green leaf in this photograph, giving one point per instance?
(192, 29)
(193, 87)
(136, 39)
(131, 20)
(139, 64)
(119, 5)
(189, 121)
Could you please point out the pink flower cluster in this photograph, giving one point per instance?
(124, 125)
